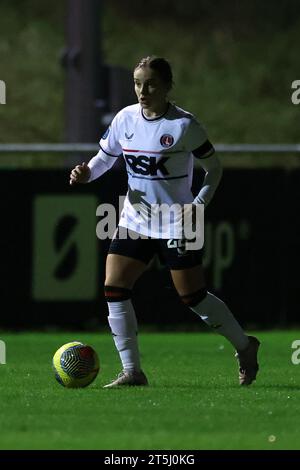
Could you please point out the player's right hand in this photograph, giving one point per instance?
(80, 174)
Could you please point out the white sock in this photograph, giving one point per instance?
(123, 324)
(218, 316)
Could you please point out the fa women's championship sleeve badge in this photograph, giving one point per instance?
(166, 140)
(105, 135)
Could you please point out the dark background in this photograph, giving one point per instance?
(251, 253)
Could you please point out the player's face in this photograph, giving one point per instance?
(150, 90)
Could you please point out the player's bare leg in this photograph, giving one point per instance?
(121, 275)
(123, 271)
(190, 285)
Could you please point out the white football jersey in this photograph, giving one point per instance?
(159, 162)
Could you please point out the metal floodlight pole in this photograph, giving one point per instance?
(82, 61)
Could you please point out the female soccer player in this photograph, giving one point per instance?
(159, 141)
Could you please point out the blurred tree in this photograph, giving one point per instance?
(246, 16)
(27, 9)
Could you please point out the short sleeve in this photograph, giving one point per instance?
(195, 135)
(196, 140)
(109, 142)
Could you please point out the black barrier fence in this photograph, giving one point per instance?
(53, 264)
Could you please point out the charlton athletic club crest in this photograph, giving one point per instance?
(167, 140)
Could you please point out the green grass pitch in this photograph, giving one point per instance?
(193, 401)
